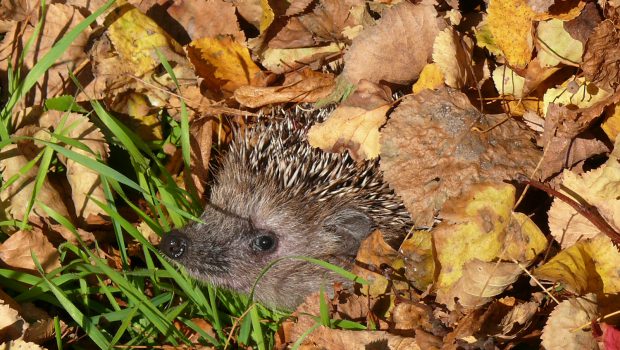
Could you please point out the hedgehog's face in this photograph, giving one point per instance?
(231, 251)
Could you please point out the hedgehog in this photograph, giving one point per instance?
(275, 196)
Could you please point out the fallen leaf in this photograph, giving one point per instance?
(327, 338)
(475, 232)
(221, 14)
(287, 60)
(16, 251)
(403, 37)
(223, 63)
(84, 181)
(327, 23)
(20, 345)
(201, 141)
(556, 45)
(303, 86)
(14, 198)
(508, 82)
(12, 325)
(122, 63)
(375, 253)
(419, 259)
(600, 59)
(352, 128)
(588, 266)
(453, 53)
(599, 188)
(450, 154)
(59, 19)
(560, 333)
(509, 23)
(431, 78)
(611, 124)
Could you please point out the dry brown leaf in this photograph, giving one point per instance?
(85, 182)
(200, 141)
(41, 328)
(59, 19)
(403, 37)
(67, 235)
(482, 281)
(564, 138)
(564, 153)
(16, 251)
(602, 52)
(350, 128)
(452, 52)
(17, 11)
(561, 331)
(412, 316)
(20, 345)
(369, 96)
(502, 319)
(326, 338)
(584, 104)
(221, 18)
(297, 6)
(599, 188)
(449, 155)
(328, 22)
(516, 320)
(304, 86)
(582, 27)
(15, 197)
(12, 325)
(374, 253)
(288, 60)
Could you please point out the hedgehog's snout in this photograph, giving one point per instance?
(174, 244)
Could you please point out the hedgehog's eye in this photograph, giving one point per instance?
(264, 243)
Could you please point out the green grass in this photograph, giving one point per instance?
(139, 304)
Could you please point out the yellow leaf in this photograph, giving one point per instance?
(419, 259)
(351, 128)
(587, 266)
(557, 45)
(611, 125)
(224, 63)
(574, 92)
(510, 24)
(136, 38)
(267, 17)
(480, 226)
(431, 78)
(507, 82)
(524, 240)
(452, 52)
(473, 228)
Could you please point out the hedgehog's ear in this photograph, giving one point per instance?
(351, 225)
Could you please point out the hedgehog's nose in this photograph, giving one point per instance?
(173, 244)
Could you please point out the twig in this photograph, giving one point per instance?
(587, 211)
